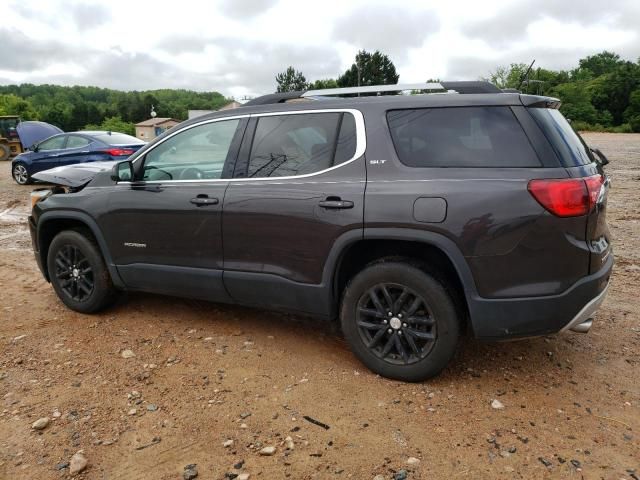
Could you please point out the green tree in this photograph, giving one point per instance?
(13, 105)
(614, 90)
(291, 80)
(601, 63)
(576, 102)
(323, 83)
(632, 113)
(114, 124)
(370, 69)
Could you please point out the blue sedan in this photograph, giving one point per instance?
(75, 147)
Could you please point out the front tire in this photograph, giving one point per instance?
(400, 321)
(78, 273)
(21, 174)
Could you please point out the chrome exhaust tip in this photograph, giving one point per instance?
(583, 327)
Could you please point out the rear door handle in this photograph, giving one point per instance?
(335, 203)
(203, 200)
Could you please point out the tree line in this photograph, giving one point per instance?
(601, 93)
(77, 108)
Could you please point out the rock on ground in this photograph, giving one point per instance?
(40, 424)
(268, 451)
(78, 463)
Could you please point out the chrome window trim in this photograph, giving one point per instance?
(361, 145)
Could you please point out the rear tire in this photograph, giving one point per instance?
(78, 273)
(400, 321)
(21, 174)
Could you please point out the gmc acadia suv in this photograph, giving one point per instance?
(409, 217)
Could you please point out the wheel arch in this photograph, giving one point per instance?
(432, 251)
(52, 223)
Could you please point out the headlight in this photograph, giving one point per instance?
(38, 195)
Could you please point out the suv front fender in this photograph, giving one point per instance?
(49, 223)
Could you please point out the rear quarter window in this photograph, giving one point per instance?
(460, 137)
(567, 144)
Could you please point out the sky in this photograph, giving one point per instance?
(236, 47)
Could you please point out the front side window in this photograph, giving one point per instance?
(193, 154)
(460, 137)
(54, 143)
(77, 142)
(299, 144)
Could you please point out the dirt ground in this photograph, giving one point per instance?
(204, 374)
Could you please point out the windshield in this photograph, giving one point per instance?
(567, 144)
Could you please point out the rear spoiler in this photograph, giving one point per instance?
(535, 101)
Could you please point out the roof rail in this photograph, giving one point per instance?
(373, 89)
(440, 87)
(470, 87)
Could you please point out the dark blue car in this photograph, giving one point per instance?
(74, 147)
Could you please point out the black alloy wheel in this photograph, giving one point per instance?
(74, 273)
(396, 324)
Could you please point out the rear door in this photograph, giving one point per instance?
(77, 150)
(297, 189)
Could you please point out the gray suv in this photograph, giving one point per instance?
(410, 218)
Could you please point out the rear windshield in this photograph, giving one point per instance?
(460, 137)
(565, 141)
(115, 138)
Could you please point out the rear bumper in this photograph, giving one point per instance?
(581, 323)
(495, 319)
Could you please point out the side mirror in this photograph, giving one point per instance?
(122, 172)
(34, 148)
(601, 157)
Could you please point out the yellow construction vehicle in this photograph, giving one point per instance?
(10, 144)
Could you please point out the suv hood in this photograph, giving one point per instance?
(75, 175)
(31, 133)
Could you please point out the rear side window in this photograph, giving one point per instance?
(460, 137)
(565, 141)
(77, 142)
(290, 145)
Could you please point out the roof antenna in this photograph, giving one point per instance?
(526, 74)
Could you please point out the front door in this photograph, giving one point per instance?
(299, 187)
(164, 229)
(48, 154)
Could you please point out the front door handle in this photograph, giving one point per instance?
(335, 203)
(203, 200)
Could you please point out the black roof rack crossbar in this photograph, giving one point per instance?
(274, 98)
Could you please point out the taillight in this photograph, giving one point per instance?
(118, 152)
(567, 197)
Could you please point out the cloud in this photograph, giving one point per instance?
(472, 68)
(87, 16)
(390, 30)
(510, 23)
(183, 43)
(253, 64)
(21, 53)
(244, 9)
